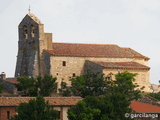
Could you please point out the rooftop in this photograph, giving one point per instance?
(55, 101)
(13, 80)
(124, 65)
(93, 50)
(144, 107)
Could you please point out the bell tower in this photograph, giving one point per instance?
(30, 47)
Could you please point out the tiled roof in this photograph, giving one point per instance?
(54, 101)
(149, 100)
(13, 80)
(90, 50)
(144, 108)
(126, 65)
(135, 53)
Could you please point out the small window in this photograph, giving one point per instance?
(32, 30)
(74, 75)
(64, 63)
(25, 29)
(59, 115)
(56, 73)
(8, 115)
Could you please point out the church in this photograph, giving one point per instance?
(38, 55)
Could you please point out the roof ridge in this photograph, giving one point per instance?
(83, 43)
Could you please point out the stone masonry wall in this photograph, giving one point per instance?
(9, 86)
(142, 79)
(46, 63)
(75, 65)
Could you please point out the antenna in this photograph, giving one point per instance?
(29, 9)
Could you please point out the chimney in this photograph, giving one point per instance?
(3, 76)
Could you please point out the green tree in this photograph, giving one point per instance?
(124, 85)
(89, 84)
(46, 85)
(108, 107)
(36, 109)
(95, 84)
(115, 101)
(82, 112)
(27, 85)
(64, 90)
(155, 95)
(37, 86)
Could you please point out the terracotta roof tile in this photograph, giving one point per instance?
(144, 108)
(93, 50)
(126, 65)
(89, 50)
(135, 53)
(13, 80)
(56, 101)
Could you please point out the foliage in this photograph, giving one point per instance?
(37, 86)
(46, 85)
(82, 112)
(113, 102)
(95, 84)
(155, 95)
(124, 85)
(65, 91)
(26, 84)
(112, 106)
(108, 107)
(89, 84)
(35, 109)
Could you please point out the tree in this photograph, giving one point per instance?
(115, 101)
(89, 84)
(124, 84)
(95, 84)
(155, 95)
(112, 106)
(27, 85)
(108, 107)
(35, 109)
(65, 91)
(82, 112)
(46, 85)
(37, 86)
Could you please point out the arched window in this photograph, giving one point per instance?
(25, 29)
(32, 30)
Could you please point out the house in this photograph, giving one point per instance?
(62, 104)
(144, 111)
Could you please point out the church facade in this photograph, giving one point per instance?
(38, 55)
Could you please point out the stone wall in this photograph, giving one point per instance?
(46, 63)
(88, 65)
(32, 42)
(142, 79)
(76, 65)
(9, 87)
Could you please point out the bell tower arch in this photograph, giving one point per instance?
(30, 47)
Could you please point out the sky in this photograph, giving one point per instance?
(127, 23)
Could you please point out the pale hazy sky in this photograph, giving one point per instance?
(127, 23)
